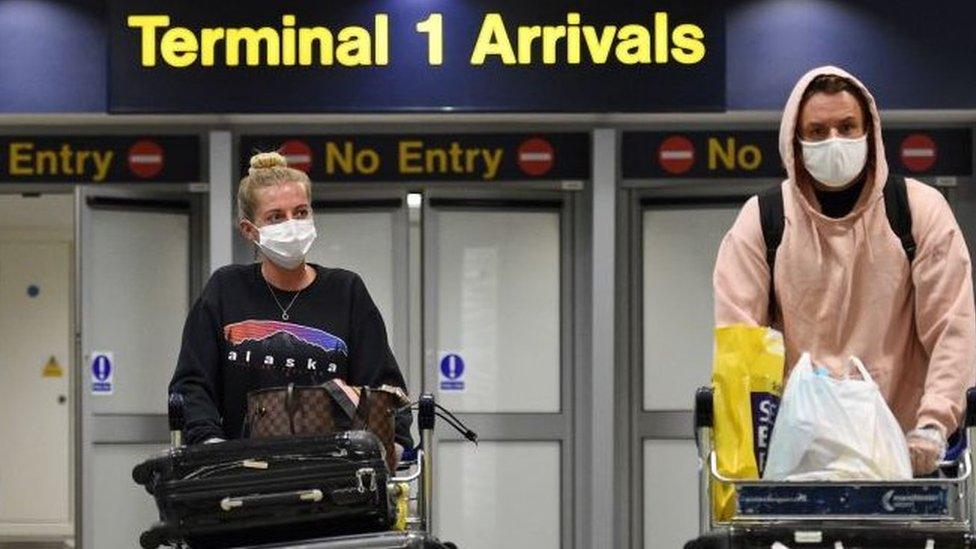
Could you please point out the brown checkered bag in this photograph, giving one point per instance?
(324, 409)
(378, 406)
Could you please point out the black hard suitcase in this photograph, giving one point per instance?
(380, 540)
(243, 492)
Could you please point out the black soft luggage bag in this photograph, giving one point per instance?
(248, 491)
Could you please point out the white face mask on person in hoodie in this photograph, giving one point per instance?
(835, 162)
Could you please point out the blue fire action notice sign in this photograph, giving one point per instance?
(102, 373)
(452, 372)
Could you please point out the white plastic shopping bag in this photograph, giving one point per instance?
(833, 429)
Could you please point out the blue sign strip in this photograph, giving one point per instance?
(871, 500)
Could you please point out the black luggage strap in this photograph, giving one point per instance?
(291, 406)
(899, 213)
(772, 220)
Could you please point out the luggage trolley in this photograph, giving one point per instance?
(924, 513)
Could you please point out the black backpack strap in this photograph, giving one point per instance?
(772, 220)
(900, 213)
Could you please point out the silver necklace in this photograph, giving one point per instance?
(284, 310)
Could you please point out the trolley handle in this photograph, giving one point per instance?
(971, 407)
(177, 419)
(705, 410)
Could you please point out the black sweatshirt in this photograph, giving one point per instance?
(235, 341)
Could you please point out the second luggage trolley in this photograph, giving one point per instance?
(925, 513)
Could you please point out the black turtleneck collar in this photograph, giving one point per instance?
(837, 204)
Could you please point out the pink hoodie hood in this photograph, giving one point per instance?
(787, 138)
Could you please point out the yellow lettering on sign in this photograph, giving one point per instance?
(526, 35)
(307, 38)
(288, 40)
(716, 153)
(20, 154)
(630, 44)
(599, 46)
(689, 44)
(80, 159)
(367, 161)
(252, 39)
(265, 46)
(349, 160)
(661, 37)
(550, 43)
(749, 157)
(433, 27)
(179, 47)
(436, 161)
(409, 156)
(354, 47)
(290, 44)
(733, 157)
(25, 159)
(338, 157)
(381, 50)
(209, 39)
(415, 157)
(573, 38)
(46, 162)
(148, 25)
(493, 161)
(493, 40)
(635, 44)
(103, 161)
(455, 152)
(66, 157)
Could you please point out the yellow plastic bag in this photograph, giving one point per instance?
(747, 379)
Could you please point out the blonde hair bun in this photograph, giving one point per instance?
(267, 169)
(266, 161)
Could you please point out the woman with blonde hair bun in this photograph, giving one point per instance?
(279, 320)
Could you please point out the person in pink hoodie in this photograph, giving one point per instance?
(843, 284)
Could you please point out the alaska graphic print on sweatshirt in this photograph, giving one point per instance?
(291, 350)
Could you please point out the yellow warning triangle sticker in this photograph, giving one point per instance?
(52, 369)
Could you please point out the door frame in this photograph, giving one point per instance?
(60, 531)
(121, 428)
(561, 426)
(633, 198)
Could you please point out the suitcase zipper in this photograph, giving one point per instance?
(366, 477)
(208, 470)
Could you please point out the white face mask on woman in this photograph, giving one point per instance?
(287, 243)
(835, 162)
